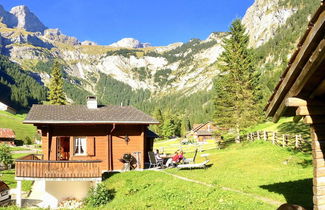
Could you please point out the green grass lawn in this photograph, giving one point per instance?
(8, 176)
(259, 168)
(15, 122)
(170, 146)
(150, 189)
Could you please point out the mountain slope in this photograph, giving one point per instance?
(176, 77)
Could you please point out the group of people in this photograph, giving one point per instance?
(176, 159)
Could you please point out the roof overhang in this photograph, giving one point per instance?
(303, 78)
(85, 122)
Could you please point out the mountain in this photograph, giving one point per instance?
(263, 19)
(21, 17)
(177, 77)
(130, 43)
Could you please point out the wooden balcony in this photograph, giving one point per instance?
(33, 166)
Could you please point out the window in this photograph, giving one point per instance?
(80, 147)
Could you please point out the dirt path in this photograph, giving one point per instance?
(261, 198)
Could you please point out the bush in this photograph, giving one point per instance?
(99, 195)
(28, 140)
(5, 155)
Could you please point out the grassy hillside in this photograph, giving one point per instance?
(15, 122)
(252, 169)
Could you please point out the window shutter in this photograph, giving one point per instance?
(91, 146)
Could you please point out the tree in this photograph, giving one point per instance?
(234, 101)
(157, 114)
(56, 93)
(5, 155)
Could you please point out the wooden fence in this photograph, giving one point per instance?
(294, 141)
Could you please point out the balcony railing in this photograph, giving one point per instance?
(33, 166)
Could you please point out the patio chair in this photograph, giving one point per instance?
(190, 160)
(197, 165)
(153, 161)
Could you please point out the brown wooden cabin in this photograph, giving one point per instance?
(7, 136)
(203, 131)
(77, 134)
(301, 93)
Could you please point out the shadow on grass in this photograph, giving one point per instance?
(295, 192)
(295, 128)
(107, 175)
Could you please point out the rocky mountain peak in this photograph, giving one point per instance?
(26, 19)
(130, 43)
(263, 18)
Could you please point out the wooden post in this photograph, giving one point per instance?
(18, 194)
(318, 146)
(273, 137)
(283, 138)
(258, 135)
(265, 135)
(297, 141)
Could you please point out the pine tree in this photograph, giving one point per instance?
(235, 102)
(56, 93)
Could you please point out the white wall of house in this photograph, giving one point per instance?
(57, 191)
(4, 107)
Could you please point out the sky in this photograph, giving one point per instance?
(159, 22)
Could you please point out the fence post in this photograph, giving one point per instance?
(287, 140)
(247, 137)
(265, 135)
(273, 137)
(297, 141)
(258, 135)
(283, 138)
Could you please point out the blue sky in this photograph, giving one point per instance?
(159, 22)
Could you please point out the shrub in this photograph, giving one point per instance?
(99, 195)
(5, 155)
(28, 140)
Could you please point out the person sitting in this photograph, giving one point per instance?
(181, 156)
(174, 160)
(157, 156)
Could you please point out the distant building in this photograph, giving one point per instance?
(4, 107)
(203, 131)
(7, 136)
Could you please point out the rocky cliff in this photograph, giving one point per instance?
(179, 68)
(263, 18)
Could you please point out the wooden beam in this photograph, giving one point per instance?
(300, 60)
(295, 102)
(309, 69)
(314, 119)
(310, 110)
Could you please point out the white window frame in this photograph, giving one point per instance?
(77, 146)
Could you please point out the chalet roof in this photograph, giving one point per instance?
(3, 186)
(300, 77)
(80, 114)
(197, 127)
(7, 133)
(204, 133)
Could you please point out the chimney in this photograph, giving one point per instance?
(91, 102)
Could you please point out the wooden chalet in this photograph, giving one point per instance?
(7, 136)
(80, 142)
(301, 93)
(203, 131)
